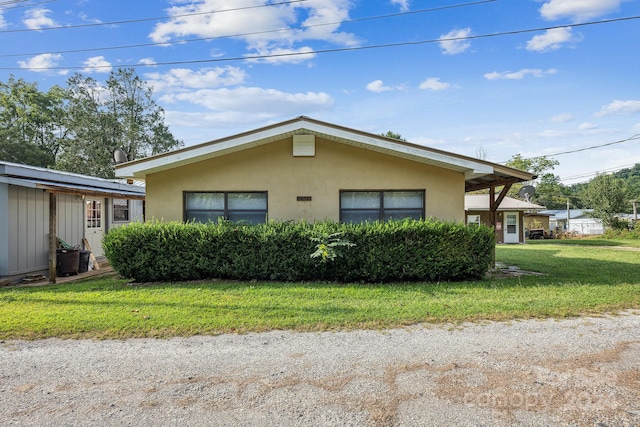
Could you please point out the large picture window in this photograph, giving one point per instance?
(361, 206)
(248, 207)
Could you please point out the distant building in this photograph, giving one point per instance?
(578, 221)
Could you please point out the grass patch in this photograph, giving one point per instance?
(578, 280)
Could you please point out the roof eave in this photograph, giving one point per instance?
(302, 125)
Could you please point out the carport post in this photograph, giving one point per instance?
(53, 236)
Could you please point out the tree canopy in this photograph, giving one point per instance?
(31, 123)
(77, 128)
(607, 196)
(547, 184)
(394, 135)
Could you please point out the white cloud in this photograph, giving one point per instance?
(587, 126)
(455, 41)
(619, 107)
(255, 100)
(37, 18)
(183, 79)
(562, 118)
(299, 21)
(404, 4)
(3, 23)
(97, 64)
(147, 61)
(519, 75)
(578, 10)
(434, 83)
(378, 86)
(552, 39)
(41, 63)
(282, 55)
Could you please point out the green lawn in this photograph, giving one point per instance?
(578, 280)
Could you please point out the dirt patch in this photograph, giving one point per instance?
(503, 271)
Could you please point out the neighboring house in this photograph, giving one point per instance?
(510, 219)
(578, 221)
(538, 221)
(305, 169)
(38, 203)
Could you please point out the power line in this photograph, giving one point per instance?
(302, 27)
(344, 49)
(157, 18)
(587, 174)
(4, 3)
(17, 2)
(631, 138)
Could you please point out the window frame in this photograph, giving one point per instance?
(126, 210)
(382, 211)
(225, 210)
(93, 213)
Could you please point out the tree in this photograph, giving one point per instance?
(393, 135)
(607, 196)
(100, 119)
(31, 123)
(548, 189)
(631, 177)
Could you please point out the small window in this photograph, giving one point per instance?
(120, 210)
(93, 209)
(512, 222)
(246, 207)
(473, 219)
(361, 206)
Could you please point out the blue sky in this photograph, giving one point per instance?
(485, 79)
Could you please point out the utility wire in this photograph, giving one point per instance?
(156, 18)
(631, 138)
(587, 174)
(4, 3)
(344, 49)
(2, 7)
(302, 27)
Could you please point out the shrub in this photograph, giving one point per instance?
(627, 232)
(294, 251)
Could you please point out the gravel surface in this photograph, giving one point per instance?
(582, 371)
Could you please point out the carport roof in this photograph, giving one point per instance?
(65, 182)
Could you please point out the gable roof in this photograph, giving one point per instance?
(480, 202)
(479, 174)
(66, 182)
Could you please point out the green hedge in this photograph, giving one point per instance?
(371, 252)
(634, 233)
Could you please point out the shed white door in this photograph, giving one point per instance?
(511, 227)
(94, 224)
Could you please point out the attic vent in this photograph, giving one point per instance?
(304, 145)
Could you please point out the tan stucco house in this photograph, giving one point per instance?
(512, 221)
(306, 169)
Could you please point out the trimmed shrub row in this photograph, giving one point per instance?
(297, 251)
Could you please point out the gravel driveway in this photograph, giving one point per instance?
(582, 371)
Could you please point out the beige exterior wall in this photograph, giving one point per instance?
(273, 168)
(536, 221)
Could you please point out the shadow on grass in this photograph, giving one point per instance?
(559, 266)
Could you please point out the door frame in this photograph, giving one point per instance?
(95, 223)
(511, 237)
